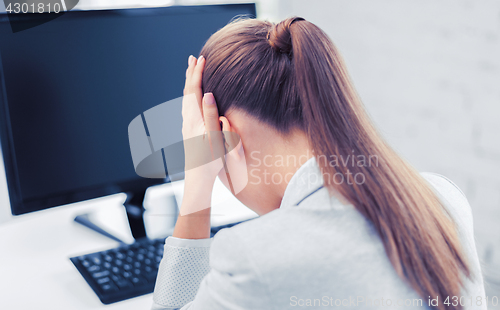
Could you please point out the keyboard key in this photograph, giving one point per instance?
(123, 283)
(127, 274)
(137, 271)
(101, 274)
(94, 268)
(96, 260)
(137, 281)
(115, 270)
(86, 263)
(103, 280)
(127, 267)
(108, 288)
(107, 265)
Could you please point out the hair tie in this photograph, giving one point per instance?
(279, 36)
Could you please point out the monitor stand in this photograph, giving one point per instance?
(134, 207)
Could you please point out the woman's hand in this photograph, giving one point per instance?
(203, 143)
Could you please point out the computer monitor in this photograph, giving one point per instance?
(70, 87)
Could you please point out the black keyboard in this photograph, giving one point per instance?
(126, 271)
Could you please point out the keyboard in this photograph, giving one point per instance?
(126, 271)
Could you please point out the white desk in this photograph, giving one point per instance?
(35, 270)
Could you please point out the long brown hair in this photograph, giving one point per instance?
(290, 75)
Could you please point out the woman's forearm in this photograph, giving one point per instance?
(194, 217)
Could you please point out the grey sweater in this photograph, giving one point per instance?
(313, 253)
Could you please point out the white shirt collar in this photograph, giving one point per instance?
(306, 180)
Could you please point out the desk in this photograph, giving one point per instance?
(35, 270)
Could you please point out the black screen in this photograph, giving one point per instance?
(73, 85)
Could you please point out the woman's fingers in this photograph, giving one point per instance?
(192, 116)
(197, 72)
(212, 125)
(210, 113)
(189, 72)
(194, 74)
(196, 80)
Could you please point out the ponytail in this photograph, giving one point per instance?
(420, 240)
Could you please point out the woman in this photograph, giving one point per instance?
(355, 225)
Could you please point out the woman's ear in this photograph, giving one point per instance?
(232, 139)
(236, 175)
